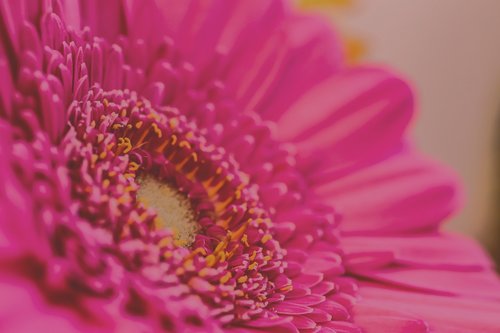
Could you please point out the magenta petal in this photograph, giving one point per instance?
(298, 292)
(335, 309)
(284, 231)
(293, 309)
(363, 120)
(444, 251)
(486, 283)
(303, 322)
(376, 324)
(404, 193)
(342, 326)
(268, 322)
(320, 108)
(442, 313)
(308, 280)
(323, 287)
(324, 265)
(319, 315)
(6, 88)
(309, 300)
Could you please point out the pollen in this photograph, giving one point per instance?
(173, 209)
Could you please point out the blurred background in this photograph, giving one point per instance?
(450, 49)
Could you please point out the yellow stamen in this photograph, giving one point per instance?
(225, 278)
(266, 238)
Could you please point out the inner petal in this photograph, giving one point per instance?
(173, 209)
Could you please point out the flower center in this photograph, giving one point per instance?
(173, 208)
(151, 177)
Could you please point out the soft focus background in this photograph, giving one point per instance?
(451, 51)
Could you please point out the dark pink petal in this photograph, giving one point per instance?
(20, 312)
(98, 17)
(309, 300)
(298, 292)
(284, 231)
(335, 309)
(303, 322)
(323, 287)
(319, 315)
(6, 88)
(293, 309)
(308, 280)
(268, 322)
(342, 327)
(288, 327)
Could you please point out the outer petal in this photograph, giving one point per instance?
(482, 284)
(348, 121)
(220, 25)
(19, 312)
(266, 56)
(440, 251)
(441, 314)
(402, 194)
(310, 55)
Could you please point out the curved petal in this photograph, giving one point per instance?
(20, 312)
(219, 25)
(105, 19)
(357, 115)
(441, 251)
(266, 56)
(441, 313)
(402, 194)
(312, 55)
(483, 284)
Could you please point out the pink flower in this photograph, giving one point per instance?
(174, 165)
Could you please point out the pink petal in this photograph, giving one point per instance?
(308, 280)
(393, 324)
(313, 54)
(268, 322)
(335, 309)
(331, 264)
(97, 16)
(483, 284)
(402, 194)
(303, 322)
(309, 300)
(323, 287)
(442, 314)
(444, 251)
(22, 310)
(290, 308)
(319, 315)
(342, 327)
(354, 116)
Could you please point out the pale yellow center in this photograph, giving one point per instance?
(173, 209)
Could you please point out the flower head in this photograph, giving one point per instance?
(172, 166)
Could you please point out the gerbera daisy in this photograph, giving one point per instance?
(174, 166)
